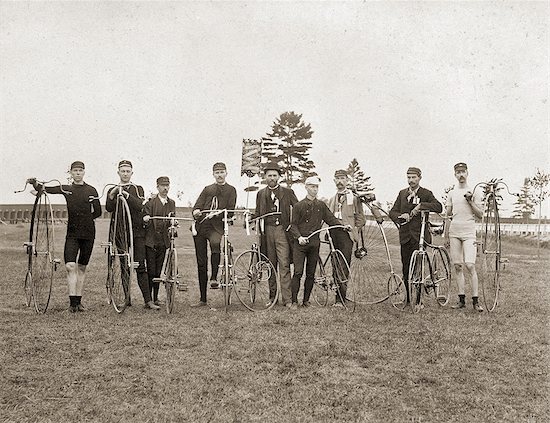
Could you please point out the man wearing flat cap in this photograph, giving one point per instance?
(79, 241)
(349, 210)
(209, 228)
(135, 196)
(460, 235)
(307, 217)
(405, 212)
(276, 199)
(156, 235)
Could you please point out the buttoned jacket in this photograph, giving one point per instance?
(352, 214)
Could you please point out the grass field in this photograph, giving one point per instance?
(314, 365)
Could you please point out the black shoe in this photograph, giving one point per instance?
(306, 304)
(151, 305)
(200, 304)
(478, 307)
(214, 284)
(458, 305)
(80, 308)
(73, 309)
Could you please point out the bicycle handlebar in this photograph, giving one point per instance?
(43, 183)
(328, 228)
(92, 198)
(263, 216)
(494, 183)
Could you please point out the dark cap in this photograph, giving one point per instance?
(272, 166)
(77, 164)
(340, 172)
(125, 163)
(163, 180)
(461, 166)
(218, 166)
(414, 170)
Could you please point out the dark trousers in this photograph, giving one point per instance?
(342, 242)
(304, 256)
(407, 250)
(207, 235)
(155, 260)
(278, 254)
(142, 278)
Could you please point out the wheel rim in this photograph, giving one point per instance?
(252, 272)
(397, 292)
(490, 255)
(442, 276)
(121, 259)
(42, 266)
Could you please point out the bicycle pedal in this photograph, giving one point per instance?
(158, 280)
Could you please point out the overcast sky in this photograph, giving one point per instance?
(175, 87)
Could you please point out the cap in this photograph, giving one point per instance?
(461, 166)
(313, 180)
(272, 166)
(77, 164)
(414, 170)
(340, 172)
(218, 166)
(125, 163)
(163, 180)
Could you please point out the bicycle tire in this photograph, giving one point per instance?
(416, 280)
(372, 265)
(170, 283)
(441, 275)
(226, 277)
(41, 261)
(27, 288)
(342, 282)
(251, 273)
(321, 284)
(397, 292)
(490, 253)
(121, 257)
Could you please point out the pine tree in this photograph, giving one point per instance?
(524, 206)
(292, 152)
(359, 182)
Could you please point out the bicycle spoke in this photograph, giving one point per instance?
(489, 259)
(42, 253)
(441, 278)
(252, 272)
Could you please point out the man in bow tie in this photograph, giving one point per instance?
(348, 209)
(405, 212)
(272, 199)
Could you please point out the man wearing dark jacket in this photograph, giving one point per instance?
(405, 212)
(156, 235)
(275, 198)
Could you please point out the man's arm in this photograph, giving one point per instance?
(199, 204)
(96, 205)
(110, 203)
(328, 217)
(431, 204)
(232, 201)
(135, 197)
(359, 214)
(296, 217)
(395, 211)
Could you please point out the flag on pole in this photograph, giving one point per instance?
(252, 156)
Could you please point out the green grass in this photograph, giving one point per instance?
(312, 365)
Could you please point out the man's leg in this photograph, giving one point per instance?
(152, 271)
(202, 263)
(160, 253)
(271, 247)
(406, 253)
(214, 238)
(69, 254)
(343, 242)
(312, 259)
(457, 258)
(142, 277)
(283, 259)
(299, 256)
(469, 247)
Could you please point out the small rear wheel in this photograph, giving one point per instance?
(171, 281)
(321, 284)
(416, 281)
(28, 289)
(397, 292)
(441, 277)
(252, 273)
(345, 290)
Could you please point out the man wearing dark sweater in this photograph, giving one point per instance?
(308, 216)
(156, 236)
(82, 207)
(209, 228)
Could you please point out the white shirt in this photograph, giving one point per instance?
(463, 224)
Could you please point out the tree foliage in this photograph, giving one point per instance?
(524, 206)
(288, 146)
(358, 180)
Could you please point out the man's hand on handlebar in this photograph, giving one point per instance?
(303, 240)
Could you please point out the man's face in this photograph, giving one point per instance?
(219, 176)
(125, 173)
(312, 190)
(77, 173)
(272, 178)
(341, 182)
(413, 179)
(461, 175)
(163, 189)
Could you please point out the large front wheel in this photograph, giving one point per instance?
(490, 254)
(253, 275)
(121, 256)
(417, 272)
(321, 284)
(441, 276)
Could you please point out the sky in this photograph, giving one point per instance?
(175, 87)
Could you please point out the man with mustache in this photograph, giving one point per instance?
(406, 213)
(460, 235)
(209, 228)
(275, 198)
(349, 210)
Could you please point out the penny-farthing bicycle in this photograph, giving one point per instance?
(41, 251)
(252, 271)
(489, 245)
(120, 252)
(373, 262)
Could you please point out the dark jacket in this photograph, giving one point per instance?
(411, 230)
(224, 195)
(135, 203)
(156, 230)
